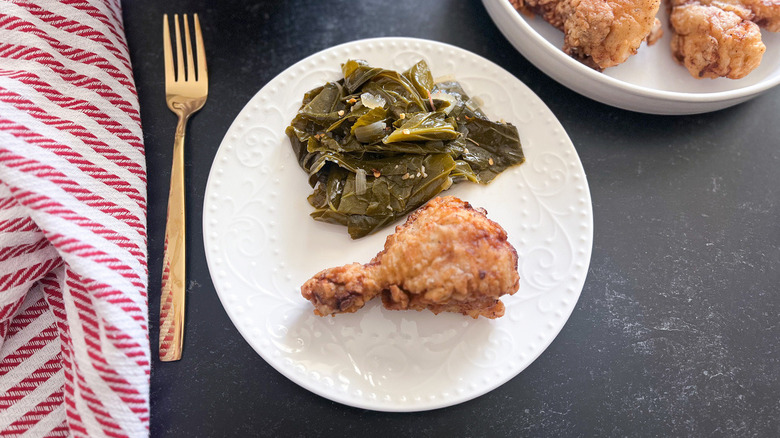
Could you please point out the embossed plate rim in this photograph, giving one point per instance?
(434, 392)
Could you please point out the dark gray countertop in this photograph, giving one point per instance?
(677, 328)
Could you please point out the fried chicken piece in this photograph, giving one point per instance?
(715, 39)
(599, 33)
(765, 13)
(655, 33)
(447, 257)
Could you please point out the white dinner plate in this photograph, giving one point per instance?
(262, 246)
(649, 82)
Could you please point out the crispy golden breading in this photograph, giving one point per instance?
(655, 33)
(714, 40)
(599, 33)
(765, 13)
(447, 257)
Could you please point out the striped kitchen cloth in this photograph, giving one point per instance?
(74, 339)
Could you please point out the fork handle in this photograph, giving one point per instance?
(173, 276)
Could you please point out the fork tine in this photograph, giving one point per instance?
(167, 52)
(202, 74)
(179, 55)
(188, 45)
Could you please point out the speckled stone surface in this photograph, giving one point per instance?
(676, 332)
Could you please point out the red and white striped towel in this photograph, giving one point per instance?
(74, 341)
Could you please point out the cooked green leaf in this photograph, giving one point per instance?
(402, 188)
(460, 109)
(490, 148)
(325, 106)
(356, 73)
(399, 93)
(402, 147)
(372, 116)
(420, 76)
(424, 127)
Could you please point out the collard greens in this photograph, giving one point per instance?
(377, 144)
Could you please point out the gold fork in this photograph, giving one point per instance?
(185, 92)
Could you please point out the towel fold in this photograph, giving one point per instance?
(74, 339)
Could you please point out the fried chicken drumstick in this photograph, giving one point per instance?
(447, 257)
(599, 33)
